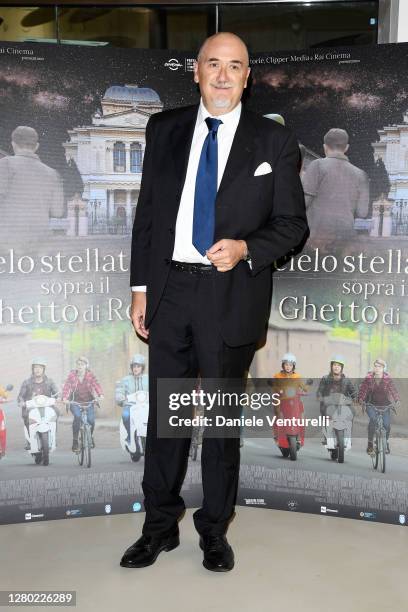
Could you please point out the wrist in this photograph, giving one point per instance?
(244, 254)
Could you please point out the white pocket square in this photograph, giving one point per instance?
(263, 168)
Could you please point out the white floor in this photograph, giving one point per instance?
(284, 561)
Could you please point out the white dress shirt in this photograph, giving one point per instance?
(184, 250)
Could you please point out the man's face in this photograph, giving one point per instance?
(222, 73)
(38, 370)
(336, 368)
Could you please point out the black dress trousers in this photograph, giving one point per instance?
(184, 342)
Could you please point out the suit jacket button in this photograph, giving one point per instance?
(167, 261)
(171, 230)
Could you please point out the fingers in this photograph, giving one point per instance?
(225, 254)
(137, 314)
(223, 268)
(138, 324)
(217, 246)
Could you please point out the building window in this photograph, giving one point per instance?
(119, 157)
(135, 157)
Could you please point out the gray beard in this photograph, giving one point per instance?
(218, 103)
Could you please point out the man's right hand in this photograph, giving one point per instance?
(138, 312)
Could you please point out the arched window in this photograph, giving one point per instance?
(119, 157)
(135, 157)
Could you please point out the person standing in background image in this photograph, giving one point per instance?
(30, 192)
(336, 192)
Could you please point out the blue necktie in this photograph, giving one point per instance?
(206, 190)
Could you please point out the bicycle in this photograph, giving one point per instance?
(380, 437)
(85, 435)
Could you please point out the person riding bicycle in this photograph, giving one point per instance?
(81, 388)
(137, 380)
(378, 389)
(335, 382)
(37, 384)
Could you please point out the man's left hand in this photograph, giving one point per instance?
(226, 253)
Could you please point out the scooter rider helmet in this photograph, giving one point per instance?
(289, 358)
(338, 359)
(39, 361)
(138, 359)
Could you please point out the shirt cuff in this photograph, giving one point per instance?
(139, 288)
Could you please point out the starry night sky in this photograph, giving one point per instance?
(64, 91)
(359, 97)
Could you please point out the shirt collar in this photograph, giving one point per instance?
(27, 154)
(228, 119)
(338, 155)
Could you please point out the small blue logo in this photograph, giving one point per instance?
(137, 507)
(368, 515)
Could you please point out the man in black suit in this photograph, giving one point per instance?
(220, 201)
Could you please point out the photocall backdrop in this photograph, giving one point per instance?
(65, 232)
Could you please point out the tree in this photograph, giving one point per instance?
(380, 183)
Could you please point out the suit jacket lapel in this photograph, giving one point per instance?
(181, 138)
(242, 150)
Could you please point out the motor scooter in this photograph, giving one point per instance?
(338, 431)
(290, 437)
(138, 404)
(3, 430)
(42, 420)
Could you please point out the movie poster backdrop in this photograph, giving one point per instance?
(69, 186)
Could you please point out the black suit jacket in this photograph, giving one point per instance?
(267, 211)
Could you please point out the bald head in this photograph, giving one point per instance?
(226, 38)
(24, 139)
(336, 140)
(221, 71)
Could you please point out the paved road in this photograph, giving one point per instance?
(108, 456)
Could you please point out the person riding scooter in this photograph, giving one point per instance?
(37, 384)
(335, 382)
(378, 390)
(288, 384)
(136, 380)
(81, 388)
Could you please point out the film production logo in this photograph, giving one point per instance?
(173, 64)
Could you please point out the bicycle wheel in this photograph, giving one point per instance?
(292, 448)
(80, 455)
(45, 445)
(340, 442)
(381, 453)
(87, 445)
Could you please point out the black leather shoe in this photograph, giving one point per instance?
(218, 554)
(145, 551)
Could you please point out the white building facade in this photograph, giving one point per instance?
(109, 156)
(392, 148)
